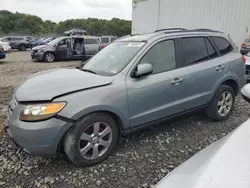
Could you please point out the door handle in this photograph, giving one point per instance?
(220, 68)
(177, 81)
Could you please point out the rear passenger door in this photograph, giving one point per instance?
(203, 69)
(91, 46)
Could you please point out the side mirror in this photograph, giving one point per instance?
(143, 69)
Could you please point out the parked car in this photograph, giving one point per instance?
(106, 40)
(73, 32)
(31, 39)
(133, 83)
(245, 47)
(6, 46)
(42, 41)
(223, 164)
(16, 42)
(62, 48)
(2, 53)
(92, 45)
(247, 61)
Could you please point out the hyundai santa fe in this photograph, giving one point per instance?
(135, 82)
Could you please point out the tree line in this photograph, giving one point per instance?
(26, 24)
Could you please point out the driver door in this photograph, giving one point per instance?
(161, 93)
(62, 49)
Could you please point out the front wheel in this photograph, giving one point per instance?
(22, 47)
(91, 139)
(222, 104)
(49, 57)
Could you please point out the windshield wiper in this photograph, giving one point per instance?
(87, 70)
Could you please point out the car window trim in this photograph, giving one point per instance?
(216, 50)
(177, 57)
(183, 63)
(220, 54)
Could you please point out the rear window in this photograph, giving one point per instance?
(91, 41)
(223, 45)
(105, 40)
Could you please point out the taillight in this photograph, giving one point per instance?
(1, 48)
(244, 45)
(243, 59)
(101, 46)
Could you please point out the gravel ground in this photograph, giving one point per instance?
(140, 160)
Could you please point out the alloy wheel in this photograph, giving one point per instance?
(95, 140)
(225, 103)
(49, 57)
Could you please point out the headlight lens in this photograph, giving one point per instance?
(40, 112)
(41, 50)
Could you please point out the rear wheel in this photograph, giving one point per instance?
(222, 104)
(49, 57)
(91, 139)
(22, 47)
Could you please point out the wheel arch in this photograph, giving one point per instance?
(120, 122)
(231, 81)
(50, 52)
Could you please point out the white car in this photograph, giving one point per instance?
(6, 46)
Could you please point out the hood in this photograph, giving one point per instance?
(224, 164)
(47, 85)
(39, 47)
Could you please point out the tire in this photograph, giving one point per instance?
(49, 57)
(22, 47)
(213, 111)
(90, 142)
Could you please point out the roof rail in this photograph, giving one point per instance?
(193, 30)
(169, 29)
(206, 30)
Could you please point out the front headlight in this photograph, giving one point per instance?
(40, 112)
(41, 50)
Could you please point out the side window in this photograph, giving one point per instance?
(161, 57)
(63, 42)
(91, 41)
(194, 50)
(105, 40)
(210, 49)
(222, 44)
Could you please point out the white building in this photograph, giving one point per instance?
(229, 16)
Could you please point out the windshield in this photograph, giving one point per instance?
(112, 59)
(56, 41)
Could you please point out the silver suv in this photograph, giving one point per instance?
(135, 82)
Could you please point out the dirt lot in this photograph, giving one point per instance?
(141, 160)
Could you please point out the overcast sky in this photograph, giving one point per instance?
(59, 10)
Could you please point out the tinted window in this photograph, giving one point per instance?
(105, 40)
(91, 41)
(112, 39)
(194, 50)
(161, 57)
(211, 51)
(222, 44)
